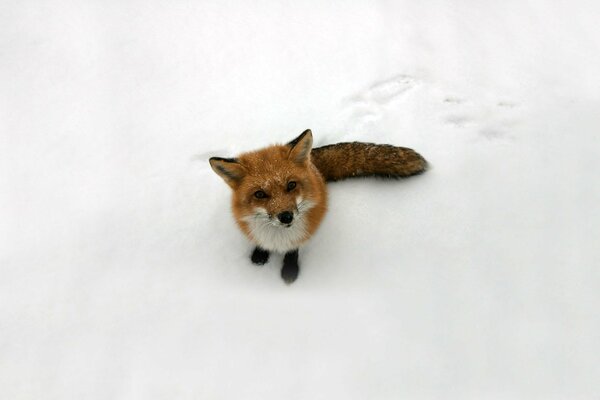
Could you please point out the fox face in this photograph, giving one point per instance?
(278, 197)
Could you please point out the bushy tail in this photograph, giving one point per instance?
(356, 159)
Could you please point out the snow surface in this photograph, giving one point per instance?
(123, 275)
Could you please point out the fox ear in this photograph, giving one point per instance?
(301, 147)
(229, 169)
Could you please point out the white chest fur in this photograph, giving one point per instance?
(272, 235)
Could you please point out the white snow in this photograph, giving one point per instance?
(123, 275)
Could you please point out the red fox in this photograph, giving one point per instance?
(279, 192)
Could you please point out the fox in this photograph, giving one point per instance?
(279, 193)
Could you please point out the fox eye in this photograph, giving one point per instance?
(259, 194)
(291, 185)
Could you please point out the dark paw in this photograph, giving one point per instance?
(290, 269)
(259, 256)
(289, 273)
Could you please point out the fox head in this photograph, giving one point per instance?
(274, 191)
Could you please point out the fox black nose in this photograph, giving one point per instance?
(285, 217)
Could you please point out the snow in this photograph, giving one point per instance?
(124, 275)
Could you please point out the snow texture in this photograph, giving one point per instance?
(123, 275)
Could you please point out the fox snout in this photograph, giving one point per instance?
(285, 217)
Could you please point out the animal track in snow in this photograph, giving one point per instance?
(459, 120)
(454, 100)
(385, 91)
(490, 121)
(507, 104)
(367, 107)
(461, 115)
(491, 133)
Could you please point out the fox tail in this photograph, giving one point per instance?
(357, 159)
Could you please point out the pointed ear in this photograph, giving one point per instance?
(229, 169)
(301, 147)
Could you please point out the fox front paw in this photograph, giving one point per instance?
(259, 256)
(290, 269)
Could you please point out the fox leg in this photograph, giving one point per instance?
(260, 256)
(290, 269)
